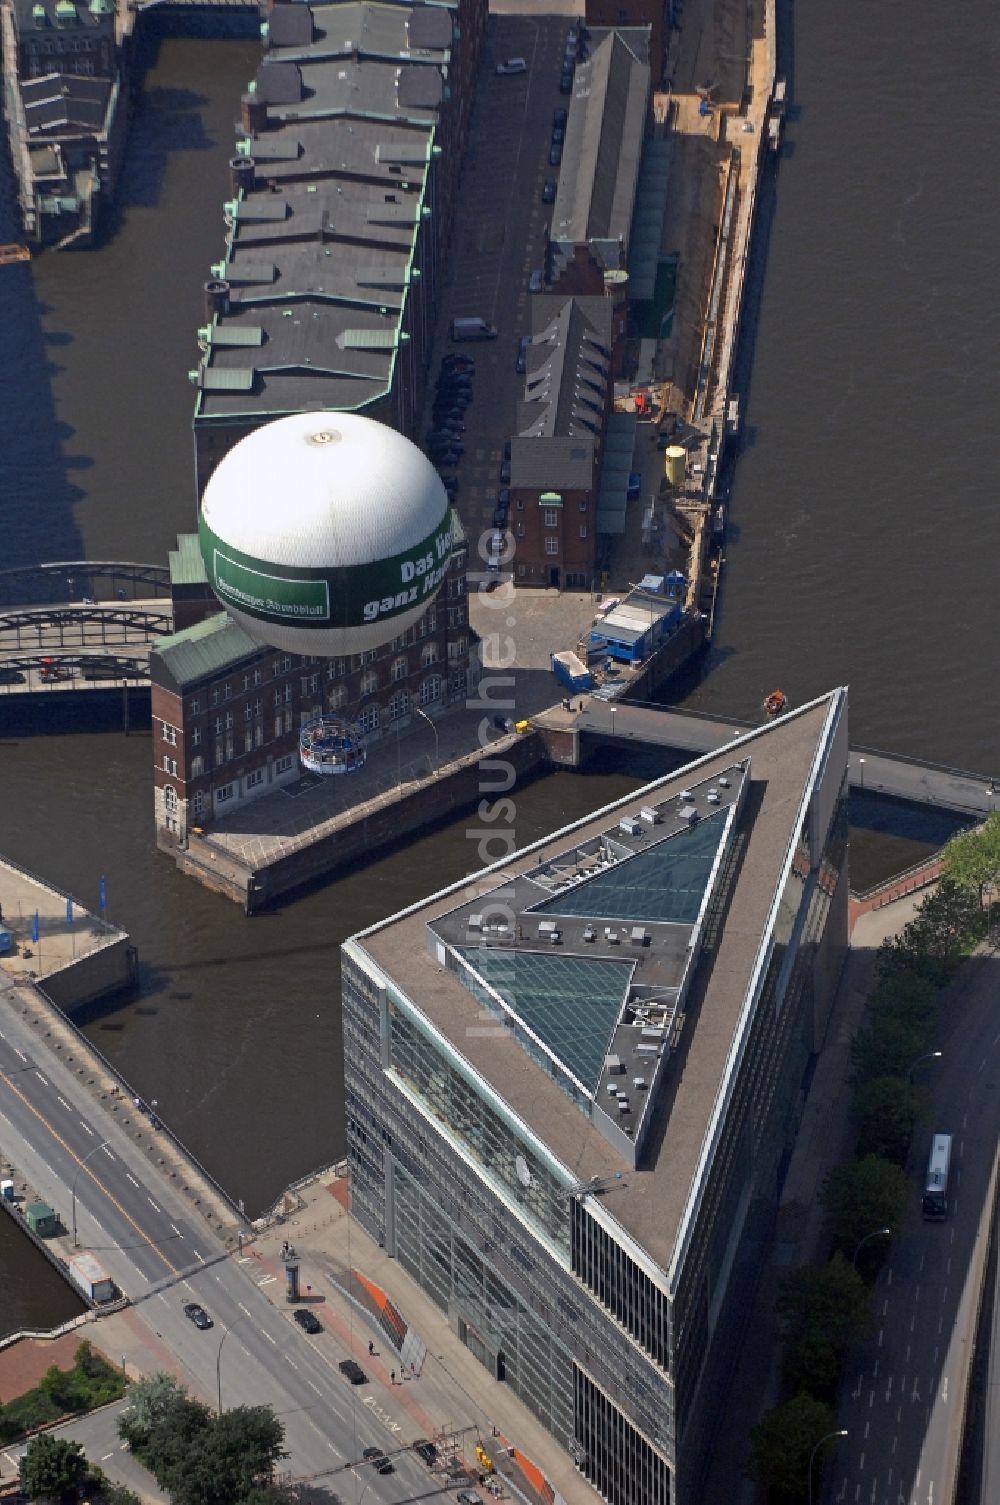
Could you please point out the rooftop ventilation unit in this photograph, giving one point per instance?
(614, 1065)
(475, 922)
(723, 782)
(623, 1105)
(712, 796)
(688, 814)
(646, 1049)
(639, 1083)
(640, 936)
(650, 815)
(685, 794)
(630, 824)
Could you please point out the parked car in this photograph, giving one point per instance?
(522, 354)
(549, 191)
(198, 1315)
(353, 1371)
(536, 282)
(378, 1460)
(11, 677)
(506, 449)
(469, 1497)
(455, 361)
(503, 498)
(555, 154)
(512, 65)
(566, 81)
(572, 39)
(559, 117)
(558, 135)
(425, 1450)
(308, 1321)
(505, 472)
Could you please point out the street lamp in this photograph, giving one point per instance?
(430, 723)
(875, 1233)
(932, 1055)
(841, 1432)
(218, 1357)
(861, 770)
(72, 1193)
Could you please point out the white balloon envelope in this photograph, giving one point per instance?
(325, 533)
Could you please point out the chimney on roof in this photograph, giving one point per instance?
(216, 297)
(241, 174)
(253, 113)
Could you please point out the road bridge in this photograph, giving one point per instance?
(591, 718)
(73, 579)
(79, 647)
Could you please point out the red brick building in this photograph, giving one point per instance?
(226, 712)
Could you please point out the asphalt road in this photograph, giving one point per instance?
(161, 1255)
(499, 239)
(902, 1394)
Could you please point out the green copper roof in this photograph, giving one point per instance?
(186, 564)
(204, 650)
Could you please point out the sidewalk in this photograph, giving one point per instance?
(826, 1137)
(452, 1390)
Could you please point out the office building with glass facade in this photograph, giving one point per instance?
(574, 1080)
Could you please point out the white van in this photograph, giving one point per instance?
(512, 65)
(472, 329)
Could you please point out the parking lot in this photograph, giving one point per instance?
(498, 240)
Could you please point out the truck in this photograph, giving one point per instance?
(472, 329)
(571, 673)
(92, 1278)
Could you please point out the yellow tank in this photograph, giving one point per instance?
(676, 458)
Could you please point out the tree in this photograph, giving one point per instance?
(906, 996)
(947, 919)
(823, 1308)
(886, 1046)
(886, 1109)
(51, 1467)
(227, 1460)
(150, 1402)
(782, 1442)
(971, 860)
(863, 1195)
(830, 1300)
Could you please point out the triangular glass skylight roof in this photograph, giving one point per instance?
(665, 883)
(570, 1003)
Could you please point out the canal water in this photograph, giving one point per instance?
(859, 550)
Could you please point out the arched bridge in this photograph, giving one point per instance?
(76, 579)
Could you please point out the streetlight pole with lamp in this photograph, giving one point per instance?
(218, 1357)
(875, 1233)
(840, 1432)
(83, 1162)
(861, 772)
(931, 1055)
(437, 750)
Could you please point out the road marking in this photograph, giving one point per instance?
(313, 1386)
(82, 1166)
(913, 1321)
(110, 1153)
(889, 1281)
(245, 1309)
(885, 1306)
(267, 1335)
(871, 1399)
(106, 1456)
(937, 1350)
(907, 1360)
(266, 1281)
(867, 1428)
(861, 1464)
(177, 1230)
(880, 1335)
(196, 1254)
(86, 1128)
(24, 1057)
(292, 1362)
(153, 1204)
(129, 1177)
(888, 1389)
(40, 1077)
(944, 1391)
(64, 1103)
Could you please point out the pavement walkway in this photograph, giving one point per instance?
(452, 1390)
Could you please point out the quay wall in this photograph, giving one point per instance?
(111, 969)
(365, 830)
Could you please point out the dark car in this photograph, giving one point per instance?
(505, 472)
(503, 498)
(500, 517)
(439, 437)
(506, 449)
(198, 1315)
(450, 484)
(353, 1371)
(549, 191)
(453, 422)
(559, 117)
(558, 135)
(308, 1321)
(377, 1458)
(566, 81)
(454, 359)
(454, 384)
(555, 154)
(11, 677)
(425, 1450)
